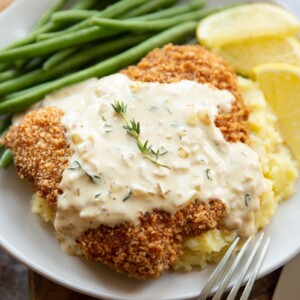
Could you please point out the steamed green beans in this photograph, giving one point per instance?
(7, 75)
(174, 11)
(4, 123)
(166, 13)
(71, 64)
(101, 69)
(6, 159)
(58, 4)
(148, 7)
(153, 25)
(85, 4)
(51, 45)
(112, 11)
(58, 57)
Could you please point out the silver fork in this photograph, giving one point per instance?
(227, 267)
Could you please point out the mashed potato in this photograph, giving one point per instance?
(279, 169)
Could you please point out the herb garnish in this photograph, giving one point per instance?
(76, 165)
(247, 199)
(127, 196)
(98, 195)
(133, 128)
(108, 128)
(153, 108)
(208, 174)
(168, 110)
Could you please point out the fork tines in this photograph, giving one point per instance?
(248, 260)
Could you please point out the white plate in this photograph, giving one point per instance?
(31, 241)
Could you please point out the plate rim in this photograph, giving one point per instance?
(65, 282)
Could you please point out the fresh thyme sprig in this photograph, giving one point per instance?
(133, 128)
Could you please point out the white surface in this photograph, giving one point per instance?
(288, 286)
(31, 241)
(17, 20)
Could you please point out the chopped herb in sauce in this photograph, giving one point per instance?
(98, 195)
(108, 128)
(247, 199)
(76, 165)
(208, 174)
(153, 108)
(168, 110)
(127, 196)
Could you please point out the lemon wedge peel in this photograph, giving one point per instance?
(246, 22)
(247, 55)
(280, 84)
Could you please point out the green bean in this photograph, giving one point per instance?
(110, 12)
(148, 7)
(33, 64)
(58, 4)
(8, 75)
(74, 62)
(85, 4)
(174, 11)
(73, 16)
(6, 159)
(51, 45)
(103, 68)
(58, 57)
(104, 4)
(153, 25)
(24, 92)
(4, 123)
(4, 66)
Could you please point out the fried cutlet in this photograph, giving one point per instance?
(42, 153)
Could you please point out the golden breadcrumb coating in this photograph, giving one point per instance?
(193, 62)
(147, 250)
(41, 154)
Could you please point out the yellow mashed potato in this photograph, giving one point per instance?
(278, 167)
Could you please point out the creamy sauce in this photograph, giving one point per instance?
(110, 181)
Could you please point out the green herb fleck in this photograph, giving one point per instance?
(127, 196)
(169, 110)
(76, 165)
(98, 195)
(208, 174)
(153, 108)
(247, 199)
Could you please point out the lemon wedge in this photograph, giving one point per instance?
(245, 22)
(247, 55)
(281, 86)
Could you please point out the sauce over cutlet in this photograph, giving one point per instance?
(174, 63)
(110, 181)
(146, 249)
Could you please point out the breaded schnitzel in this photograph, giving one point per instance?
(41, 154)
